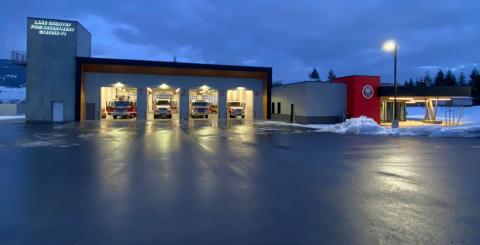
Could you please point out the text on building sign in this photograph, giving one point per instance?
(52, 28)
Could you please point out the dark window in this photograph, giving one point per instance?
(273, 107)
(279, 108)
(292, 113)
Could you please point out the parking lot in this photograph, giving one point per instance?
(232, 182)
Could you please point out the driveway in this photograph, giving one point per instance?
(233, 183)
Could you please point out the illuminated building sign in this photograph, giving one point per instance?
(52, 27)
(367, 91)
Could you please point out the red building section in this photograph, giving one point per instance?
(362, 98)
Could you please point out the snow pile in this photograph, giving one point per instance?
(361, 125)
(466, 130)
(12, 95)
(367, 126)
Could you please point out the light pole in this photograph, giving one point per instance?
(391, 46)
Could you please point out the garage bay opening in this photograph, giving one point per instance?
(240, 103)
(163, 103)
(118, 102)
(203, 103)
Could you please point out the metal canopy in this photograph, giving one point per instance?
(431, 91)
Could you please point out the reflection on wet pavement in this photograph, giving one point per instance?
(232, 181)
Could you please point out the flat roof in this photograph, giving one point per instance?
(302, 82)
(356, 76)
(170, 64)
(430, 91)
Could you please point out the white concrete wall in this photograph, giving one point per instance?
(311, 99)
(11, 109)
(93, 81)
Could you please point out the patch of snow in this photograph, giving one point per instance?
(9, 95)
(86, 136)
(278, 123)
(470, 114)
(367, 126)
(12, 76)
(37, 143)
(465, 130)
(46, 140)
(12, 117)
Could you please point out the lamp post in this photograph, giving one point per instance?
(391, 46)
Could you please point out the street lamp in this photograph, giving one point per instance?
(391, 46)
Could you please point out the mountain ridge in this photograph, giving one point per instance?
(11, 74)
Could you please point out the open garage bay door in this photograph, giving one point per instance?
(203, 103)
(118, 102)
(163, 103)
(240, 103)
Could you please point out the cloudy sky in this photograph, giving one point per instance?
(290, 36)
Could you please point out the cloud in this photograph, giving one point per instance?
(292, 37)
(113, 40)
(430, 67)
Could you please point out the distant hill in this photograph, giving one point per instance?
(11, 74)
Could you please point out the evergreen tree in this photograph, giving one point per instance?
(314, 75)
(418, 83)
(462, 80)
(277, 83)
(410, 83)
(440, 78)
(331, 76)
(427, 79)
(475, 84)
(450, 79)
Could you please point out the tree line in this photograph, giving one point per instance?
(449, 79)
(440, 79)
(314, 75)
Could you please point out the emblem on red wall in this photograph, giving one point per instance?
(367, 92)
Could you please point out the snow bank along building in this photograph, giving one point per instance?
(64, 83)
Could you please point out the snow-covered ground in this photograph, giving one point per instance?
(12, 95)
(367, 126)
(470, 114)
(12, 117)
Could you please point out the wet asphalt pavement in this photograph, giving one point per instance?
(154, 183)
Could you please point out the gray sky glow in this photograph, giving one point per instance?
(290, 36)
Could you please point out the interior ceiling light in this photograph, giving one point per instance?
(118, 85)
(442, 99)
(163, 86)
(400, 98)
